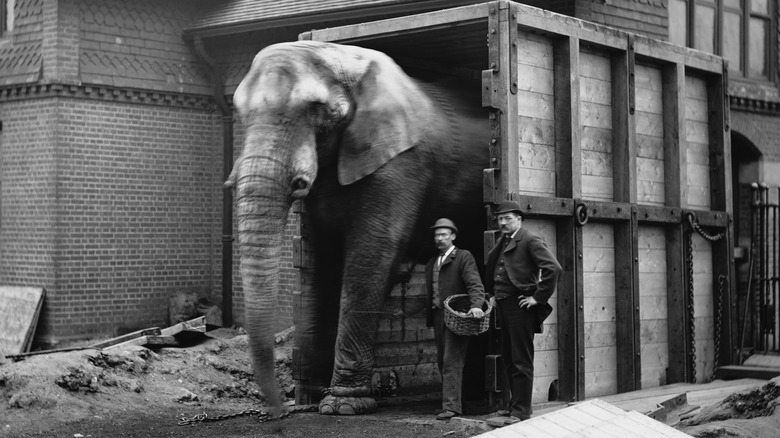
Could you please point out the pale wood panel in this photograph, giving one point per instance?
(695, 99)
(596, 66)
(697, 132)
(600, 371)
(703, 306)
(651, 124)
(599, 309)
(650, 193)
(595, 114)
(534, 49)
(548, 339)
(654, 331)
(536, 182)
(697, 143)
(536, 131)
(653, 312)
(599, 334)
(597, 164)
(648, 146)
(545, 372)
(652, 307)
(649, 170)
(534, 79)
(535, 105)
(597, 188)
(596, 124)
(596, 91)
(596, 139)
(536, 156)
(599, 281)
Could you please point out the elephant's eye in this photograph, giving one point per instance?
(323, 115)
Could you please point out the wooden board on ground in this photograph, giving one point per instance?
(20, 307)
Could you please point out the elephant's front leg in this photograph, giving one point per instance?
(366, 279)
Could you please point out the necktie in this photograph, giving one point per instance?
(507, 239)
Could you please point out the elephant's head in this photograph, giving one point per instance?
(307, 106)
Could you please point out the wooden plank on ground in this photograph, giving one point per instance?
(20, 307)
(196, 324)
(127, 337)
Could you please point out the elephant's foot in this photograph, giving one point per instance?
(348, 401)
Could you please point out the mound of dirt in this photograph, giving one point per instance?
(743, 415)
(44, 391)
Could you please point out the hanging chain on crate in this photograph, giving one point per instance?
(692, 335)
(691, 321)
(263, 416)
(719, 315)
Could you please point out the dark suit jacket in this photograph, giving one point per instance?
(458, 275)
(531, 267)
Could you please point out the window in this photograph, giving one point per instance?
(6, 16)
(739, 30)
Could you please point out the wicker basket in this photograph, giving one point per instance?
(455, 309)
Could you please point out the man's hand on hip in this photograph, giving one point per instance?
(527, 302)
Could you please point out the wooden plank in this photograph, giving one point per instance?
(674, 137)
(729, 372)
(629, 370)
(20, 307)
(723, 276)
(548, 22)
(447, 18)
(570, 311)
(139, 341)
(567, 127)
(666, 52)
(679, 360)
(127, 337)
(510, 137)
(196, 324)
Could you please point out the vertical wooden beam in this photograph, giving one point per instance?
(510, 162)
(629, 367)
(624, 125)
(571, 338)
(722, 199)
(675, 171)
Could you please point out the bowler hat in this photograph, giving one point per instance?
(445, 223)
(508, 206)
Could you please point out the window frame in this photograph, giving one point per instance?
(742, 71)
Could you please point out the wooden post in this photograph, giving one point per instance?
(676, 196)
(629, 366)
(571, 337)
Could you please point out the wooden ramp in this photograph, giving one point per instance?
(647, 400)
(592, 418)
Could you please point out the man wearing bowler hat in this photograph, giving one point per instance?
(453, 271)
(521, 274)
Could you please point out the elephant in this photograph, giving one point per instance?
(375, 156)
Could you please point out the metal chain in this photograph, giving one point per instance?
(695, 225)
(719, 314)
(692, 328)
(263, 415)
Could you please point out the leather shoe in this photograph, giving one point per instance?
(446, 415)
(501, 413)
(511, 420)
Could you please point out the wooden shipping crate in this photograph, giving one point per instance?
(614, 144)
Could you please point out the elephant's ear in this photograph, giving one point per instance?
(389, 118)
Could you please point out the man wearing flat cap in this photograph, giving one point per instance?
(521, 274)
(453, 271)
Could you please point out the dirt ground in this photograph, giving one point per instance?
(138, 392)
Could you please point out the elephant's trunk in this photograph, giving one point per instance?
(262, 205)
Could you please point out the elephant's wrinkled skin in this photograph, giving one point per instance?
(376, 160)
